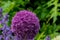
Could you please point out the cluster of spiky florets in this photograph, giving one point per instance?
(25, 24)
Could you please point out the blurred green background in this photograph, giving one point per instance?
(48, 12)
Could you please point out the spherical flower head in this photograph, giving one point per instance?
(25, 24)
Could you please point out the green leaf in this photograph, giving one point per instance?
(59, 5)
(50, 3)
(7, 7)
(58, 13)
(0, 26)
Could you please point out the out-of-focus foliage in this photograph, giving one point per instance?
(48, 11)
(56, 38)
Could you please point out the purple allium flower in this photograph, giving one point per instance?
(25, 24)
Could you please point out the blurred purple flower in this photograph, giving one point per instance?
(6, 32)
(6, 18)
(1, 16)
(48, 38)
(0, 9)
(25, 24)
(0, 37)
(0, 12)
